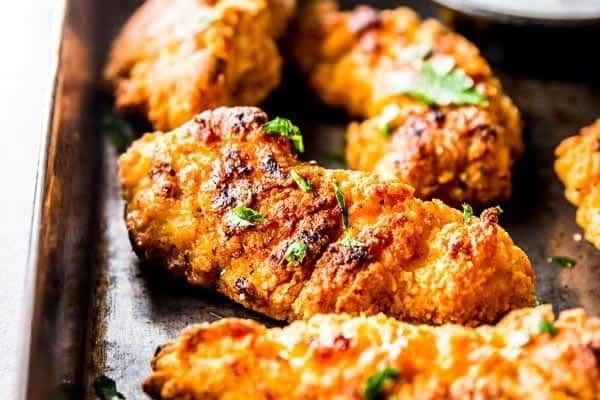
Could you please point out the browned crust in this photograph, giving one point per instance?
(331, 356)
(578, 167)
(167, 65)
(455, 153)
(420, 262)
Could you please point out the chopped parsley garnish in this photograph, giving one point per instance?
(438, 83)
(119, 130)
(547, 327)
(243, 217)
(106, 389)
(296, 252)
(206, 19)
(375, 386)
(303, 183)
(388, 116)
(442, 65)
(500, 209)
(386, 130)
(285, 128)
(563, 261)
(341, 200)
(467, 213)
(417, 52)
(349, 241)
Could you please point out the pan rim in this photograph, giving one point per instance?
(57, 25)
(521, 17)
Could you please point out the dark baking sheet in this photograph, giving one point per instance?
(94, 310)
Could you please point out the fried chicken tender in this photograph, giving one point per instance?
(414, 260)
(578, 167)
(355, 60)
(175, 58)
(332, 357)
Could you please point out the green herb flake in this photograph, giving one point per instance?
(243, 217)
(547, 327)
(386, 121)
(500, 209)
(302, 183)
(442, 65)
(285, 128)
(439, 83)
(118, 129)
(375, 386)
(386, 130)
(206, 19)
(417, 52)
(296, 252)
(341, 200)
(106, 389)
(349, 241)
(467, 213)
(563, 261)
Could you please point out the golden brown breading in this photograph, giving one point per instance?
(418, 261)
(175, 58)
(578, 167)
(332, 356)
(456, 152)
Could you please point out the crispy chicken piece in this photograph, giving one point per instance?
(175, 58)
(357, 60)
(526, 356)
(578, 167)
(416, 260)
(411, 259)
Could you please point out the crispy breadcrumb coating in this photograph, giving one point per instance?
(332, 357)
(354, 59)
(578, 167)
(414, 260)
(175, 58)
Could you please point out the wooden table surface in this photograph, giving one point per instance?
(25, 36)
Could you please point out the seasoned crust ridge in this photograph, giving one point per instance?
(331, 356)
(457, 153)
(416, 260)
(175, 58)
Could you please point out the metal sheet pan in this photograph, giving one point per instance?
(94, 310)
